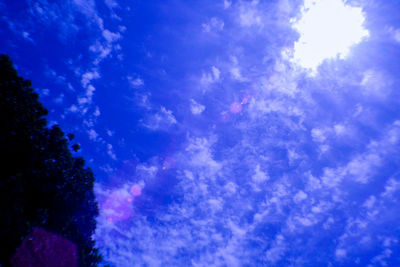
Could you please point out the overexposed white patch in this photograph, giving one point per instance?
(327, 28)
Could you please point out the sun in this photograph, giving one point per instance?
(328, 29)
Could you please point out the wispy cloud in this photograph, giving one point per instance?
(161, 120)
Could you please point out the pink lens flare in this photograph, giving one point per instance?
(42, 248)
(245, 100)
(236, 107)
(136, 190)
(117, 207)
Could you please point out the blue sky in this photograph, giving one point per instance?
(214, 140)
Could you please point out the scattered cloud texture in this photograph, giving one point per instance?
(226, 133)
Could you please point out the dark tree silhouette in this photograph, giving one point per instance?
(41, 183)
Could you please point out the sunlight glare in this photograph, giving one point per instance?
(327, 28)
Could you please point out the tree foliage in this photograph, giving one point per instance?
(41, 183)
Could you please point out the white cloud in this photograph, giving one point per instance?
(73, 108)
(111, 36)
(210, 188)
(214, 25)
(200, 153)
(87, 98)
(259, 175)
(249, 16)
(45, 92)
(300, 196)
(59, 99)
(235, 72)
(161, 120)
(231, 188)
(261, 106)
(375, 83)
(216, 205)
(87, 77)
(110, 152)
(340, 253)
(111, 4)
(92, 134)
(277, 250)
(210, 77)
(146, 172)
(318, 135)
(285, 6)
(96, 112)
(394, 34)
(26, 35)
(218, 212)
(340, 129)
(110, 133)
(391, 187)
(370, 202)
(136, 82)
(362, 167)
(227, 4)
(88, 8)
(216, 73)
(196, 108)
(102, 51)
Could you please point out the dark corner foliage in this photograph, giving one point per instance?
(42, 184)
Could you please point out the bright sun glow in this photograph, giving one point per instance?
(328, 28)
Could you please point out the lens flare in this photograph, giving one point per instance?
(117, 207)
(245, 100)
(136, 190)
(236, 107)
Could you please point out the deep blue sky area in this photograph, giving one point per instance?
(222, 132)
